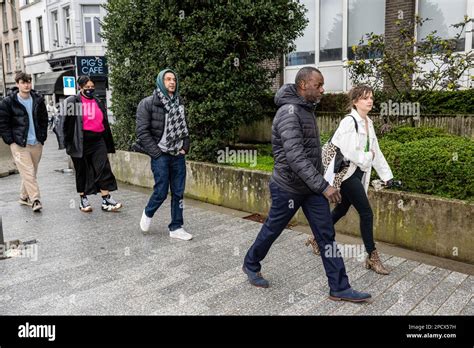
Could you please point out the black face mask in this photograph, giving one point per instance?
(89, 93)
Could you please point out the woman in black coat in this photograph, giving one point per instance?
(87, 137)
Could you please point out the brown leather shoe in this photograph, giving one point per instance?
(373, 262)
(313, 244)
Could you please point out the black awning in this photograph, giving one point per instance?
(51, 82)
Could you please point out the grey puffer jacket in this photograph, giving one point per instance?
(296, 145)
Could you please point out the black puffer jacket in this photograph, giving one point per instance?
(150, 126)
(14, 120)
(296, 144)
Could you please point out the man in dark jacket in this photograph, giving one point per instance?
(163, 134)
(298, 181)
(24, 126)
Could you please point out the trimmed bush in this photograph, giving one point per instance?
(405, 134)
(438, 166)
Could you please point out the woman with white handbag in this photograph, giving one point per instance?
(357, 142)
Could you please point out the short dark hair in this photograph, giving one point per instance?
(304, 73)
(82, 80)
(22, 76)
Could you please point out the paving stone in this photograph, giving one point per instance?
(102, 264)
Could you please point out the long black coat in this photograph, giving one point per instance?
(296, 145)
(14, 120)
(150, 126)
(70, 132)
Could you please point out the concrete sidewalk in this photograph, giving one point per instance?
(101, 263)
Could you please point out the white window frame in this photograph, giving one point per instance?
(29, 38)
(468, 29)
(8, 58)
(67, 25)
(92, 17)
(55, 28)
(41, 43)
(16, 49)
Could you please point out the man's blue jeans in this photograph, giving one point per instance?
(316, 209)
(169, 173)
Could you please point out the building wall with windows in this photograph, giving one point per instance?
(336, 25)
(35, 37)
(12, 43)
(55, 32)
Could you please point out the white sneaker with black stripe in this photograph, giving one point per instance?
(109, 204)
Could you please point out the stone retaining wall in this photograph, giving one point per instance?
(437, 226)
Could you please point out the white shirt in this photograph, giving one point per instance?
(352, 144)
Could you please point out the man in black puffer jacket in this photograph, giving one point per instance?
(162, 133)
(298, 181)
(24, 126)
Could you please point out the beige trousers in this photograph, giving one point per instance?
(27, 160)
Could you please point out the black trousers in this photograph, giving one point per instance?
(353, 193)
(93, 171)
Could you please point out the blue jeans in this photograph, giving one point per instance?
(169, 173)
(316, 209)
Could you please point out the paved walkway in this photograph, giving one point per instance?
(101, 263)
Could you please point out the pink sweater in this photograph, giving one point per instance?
(92, 117)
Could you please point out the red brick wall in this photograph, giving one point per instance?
(392, 8)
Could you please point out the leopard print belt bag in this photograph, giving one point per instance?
(341, 166)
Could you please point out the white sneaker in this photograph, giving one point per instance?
(181, 233)
(145, 222)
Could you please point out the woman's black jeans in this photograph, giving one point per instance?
(353, 193)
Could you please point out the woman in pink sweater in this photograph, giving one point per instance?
(88, 139)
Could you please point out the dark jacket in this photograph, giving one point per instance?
(70, 132)
(14, 120)
(150, 126)
(296, 145)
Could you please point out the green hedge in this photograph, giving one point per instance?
(438, 165)
(405, 134)
(436, 102)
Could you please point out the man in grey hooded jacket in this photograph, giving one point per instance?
(298, 181)
(162, 133)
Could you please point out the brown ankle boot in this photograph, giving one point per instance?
(373, 261)
(313, 244)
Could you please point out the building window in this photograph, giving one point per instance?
(4, 16)
(443, 14)
(14, 18)
(359, 25)
(305, 45)
(91, 16)
(29, 40)
(54, 18)
(8, 58)
(40, 34)
(16, 46)
(330, 30)
(67, 25)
